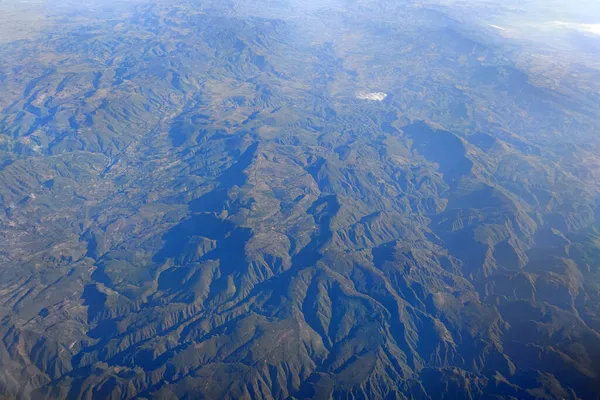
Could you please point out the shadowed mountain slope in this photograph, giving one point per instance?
(200, 200)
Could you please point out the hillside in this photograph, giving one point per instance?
(271, 199)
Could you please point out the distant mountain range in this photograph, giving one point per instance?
(295, 200)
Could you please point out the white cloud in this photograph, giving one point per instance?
(587, 28)
(498, 27)
(373, 96)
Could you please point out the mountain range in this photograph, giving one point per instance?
(275, 199)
